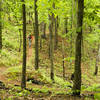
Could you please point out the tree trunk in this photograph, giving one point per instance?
(41, 27)
(29, 18)
(20, 40)
(96, 67)
(51, 46)
(97, 61)
(23, 82)
(71, 36)
(44, 30)
(77, 73)
(36, 37)
(66, 21)
(0, 26)
(40, 43)
(56, 32)
(63, 62)
(43, 35)
(33, 28)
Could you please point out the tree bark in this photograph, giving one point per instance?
(23, 82)
(36, 37)
(20, 40)
(44, 30)
(97, 61)
(0, 25)
(63, 62)
(56, 32)
(29, 17)
(71, 35)
(66, 21)
(77, 73)
(51, 47)
(96, 67)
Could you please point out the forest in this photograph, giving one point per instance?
(49, 49)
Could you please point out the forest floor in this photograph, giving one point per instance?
(39, 85)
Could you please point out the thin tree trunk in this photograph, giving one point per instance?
(29, 18)
(41, 27)
(56, 33)
(44, 30)
(40, 43)
(23, 82)
(77, 73)
(97, 61)
(75, 11)
(0, 26)
(51, 47)
(33, 28)
(66, 21)
(43, 35)
(96, 67)
(20, 40)
(71, 41)
(63, 62)
(36, 37)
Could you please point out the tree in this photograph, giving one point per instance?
(20, 39)
(63, 56)
(77, 73)
(66, 22)
(51, 46)
(44, 30)
(56, 32)
(36, 37)
(23, 82)
(51, 43)
(97, 60)
(0, 25)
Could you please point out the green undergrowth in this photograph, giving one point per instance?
(93, 88)
(17, 91)
(97, 96)
(9, 58)
(86, 78)
(13, 73)
(60, 82)
(10, 55)
(14, 93)
(41, 75)
(37, 75)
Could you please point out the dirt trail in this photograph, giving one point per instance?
(2, 77)
(29, 54)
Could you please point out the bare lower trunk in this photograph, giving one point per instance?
(71, 41)
(40, 43)
(43, 35)
(0, 26)
(44, 30)
(63, 63)
(77, 73)
(51, 47)
(56, 33)
(20, 40)
(96, 67)
(97, 61)
(36, 37)
(23, 82)
(29, 18)
(66, 21)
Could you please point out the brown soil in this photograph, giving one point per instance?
(2, 77)
(29, 54)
